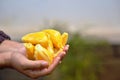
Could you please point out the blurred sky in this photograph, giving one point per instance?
(103, 15)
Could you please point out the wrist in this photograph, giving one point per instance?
(5, 59)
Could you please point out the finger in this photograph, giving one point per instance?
(43, 72)
(66, 48)
(51, 68)
(61, 55)
(54, 64)
(35, 65)
(25, 63)
(35, 73)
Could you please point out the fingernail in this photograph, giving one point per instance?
(58, 58)
(68, 46)
(44, 63)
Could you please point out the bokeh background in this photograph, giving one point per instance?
(94, 35)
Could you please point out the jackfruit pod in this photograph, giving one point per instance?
(50, 45)
(36, 38)
(29, 50)
(64, 38)
(43, 54)
(55, 37)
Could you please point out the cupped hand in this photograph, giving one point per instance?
(13, 54)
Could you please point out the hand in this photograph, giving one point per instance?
(13, 56)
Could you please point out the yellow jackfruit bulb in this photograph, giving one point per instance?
(43, 54)
(55, 37)
(36, 38)
(30, 50)
(64, 38)
(50, 45)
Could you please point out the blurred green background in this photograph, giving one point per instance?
(83, 62)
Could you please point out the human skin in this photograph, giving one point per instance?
(13, 55)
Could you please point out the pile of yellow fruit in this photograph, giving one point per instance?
(44, 45)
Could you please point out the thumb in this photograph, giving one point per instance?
(39, 64)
